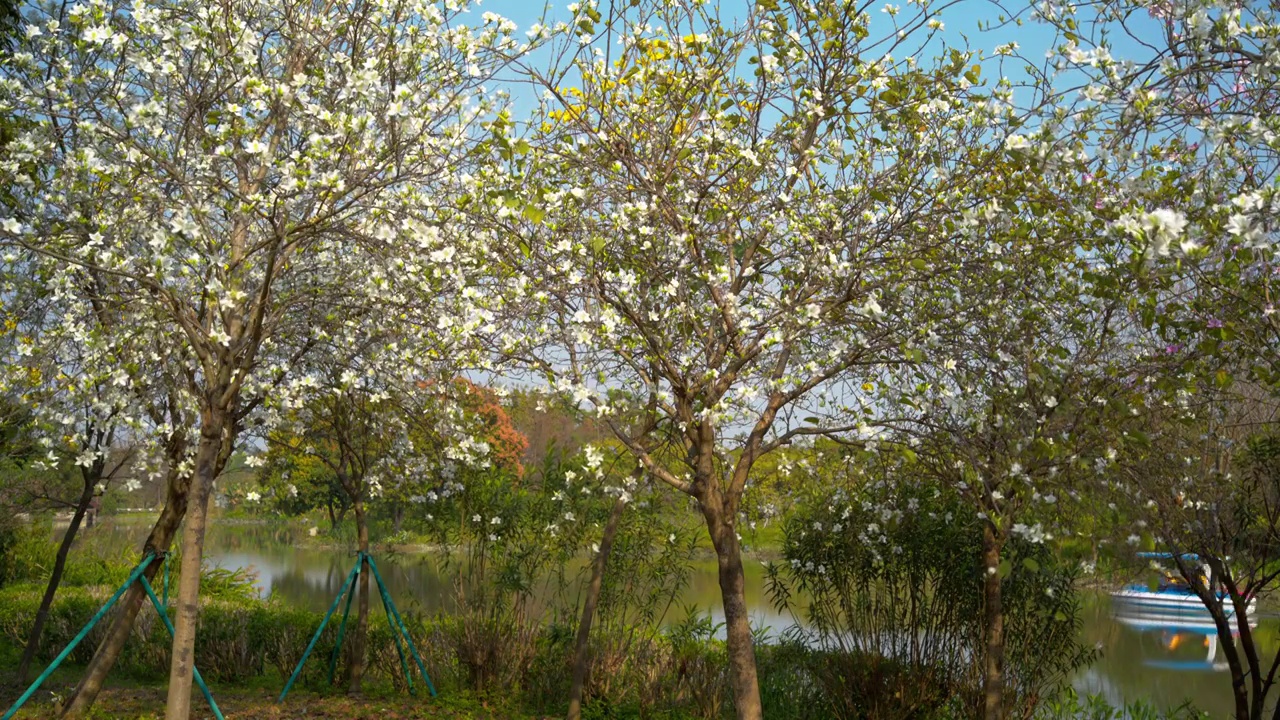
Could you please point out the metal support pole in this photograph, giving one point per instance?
(315, 638)
(164, 617)
(342, 627)
(166, 583)
(391, 625)
(133, 577)
(391, 606)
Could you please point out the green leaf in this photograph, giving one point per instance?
(533, 213)
(1031, 564)
(1005, 569)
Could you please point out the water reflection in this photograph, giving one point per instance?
(1161, 658)
(310, 577)
(1188, 642)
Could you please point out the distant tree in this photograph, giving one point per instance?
(381, 444)
(550, 424)
(294, 483)
(492, 425)
(348, 430)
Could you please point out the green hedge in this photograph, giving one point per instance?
(680, 674)
(235, 640)
(677, 674)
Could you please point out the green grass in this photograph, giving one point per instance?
(127, 697)
(243, 703)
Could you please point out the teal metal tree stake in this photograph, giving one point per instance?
(135, 576)
(399, 631)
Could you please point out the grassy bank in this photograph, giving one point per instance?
(501, 656)
(248, 704)
(246, 647)
(131, 698)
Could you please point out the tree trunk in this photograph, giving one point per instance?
(1258, 683)
(360, 633)
(993, 615)
(333, 520)
(742, 657)
(91, 476)
(158, 541)
(1226, 640)
(397, 519)
(581, 656)
(187, 611)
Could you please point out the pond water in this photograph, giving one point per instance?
(1141, 658)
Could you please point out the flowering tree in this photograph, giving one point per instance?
(448, 434)
(249, 177)
(642, 432)
(1190, 110)
(888, 561)
(1024, 397)
(1206, 489)
(167, 413)
(1190, 119)
(98, 394)
(63, 367)
(378, 439)
(745, 221)
(346, 427)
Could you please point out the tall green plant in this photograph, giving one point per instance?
(888, 579)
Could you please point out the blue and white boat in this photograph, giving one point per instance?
(1172, 596)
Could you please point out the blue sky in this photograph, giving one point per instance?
(966, 18)
(975, 23)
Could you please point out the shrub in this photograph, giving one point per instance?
(241, 639)
(891, 589)
(31, 552)
(1070, 706)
